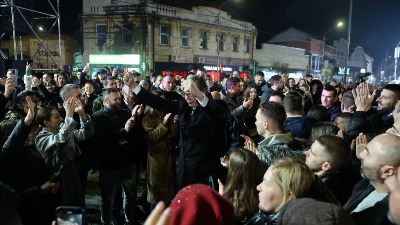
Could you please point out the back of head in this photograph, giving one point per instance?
(274, 112)
(323, 128)
(319, 113)
(336, 150)
(200, 83)
(310, 211)
(348, 99)
(199, 204)
(244, 174)
(293, 103)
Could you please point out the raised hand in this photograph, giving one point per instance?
(361, 142)
(159, 216)
(224, 161)
(86, 68)
(9, 87)
(249, 144)
(248, 103)
(69, 106)
(190, 87)
(35, 81)
(129, 124)
(166, 119)
(31, 111)
(362, 97)
(220, 187)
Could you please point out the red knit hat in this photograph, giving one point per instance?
(199, 204)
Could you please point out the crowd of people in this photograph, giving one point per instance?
(240, 151)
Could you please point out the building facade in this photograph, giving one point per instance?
(278, 59)
(166, 37)
(31, 48)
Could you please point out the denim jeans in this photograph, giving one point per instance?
(109, 181)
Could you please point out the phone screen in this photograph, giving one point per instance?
(70, 216)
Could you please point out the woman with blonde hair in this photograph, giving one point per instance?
(286, 179)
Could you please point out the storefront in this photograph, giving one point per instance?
(212, 70)
(129, 61)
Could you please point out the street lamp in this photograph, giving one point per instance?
(323, 47)
(219, 30)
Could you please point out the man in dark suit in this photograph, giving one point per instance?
(200, 118)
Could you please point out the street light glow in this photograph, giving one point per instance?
(41, 28)
(339, 24)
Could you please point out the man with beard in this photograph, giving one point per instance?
(380, 158)
(276, 85)
(366, 119)
(118, 146)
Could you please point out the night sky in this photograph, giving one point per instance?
(375, 25)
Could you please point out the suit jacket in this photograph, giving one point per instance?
(199, 137)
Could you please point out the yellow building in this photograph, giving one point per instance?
(166, 37)
(42, 59)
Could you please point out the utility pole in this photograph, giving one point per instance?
(348, 39)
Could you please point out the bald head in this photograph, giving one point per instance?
(387, 145)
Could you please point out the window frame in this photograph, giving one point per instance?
(203, 39)
(185, 37)
(165, 34)
(98, 34)
(235, 43)
(246, 45)
(125, 32)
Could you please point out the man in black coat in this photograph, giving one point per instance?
(119, 145)
(199, 135)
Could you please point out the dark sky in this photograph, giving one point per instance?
(375, 25)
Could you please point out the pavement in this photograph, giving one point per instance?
(93, 211)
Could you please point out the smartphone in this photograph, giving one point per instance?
(69, 215)
(14, 75)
